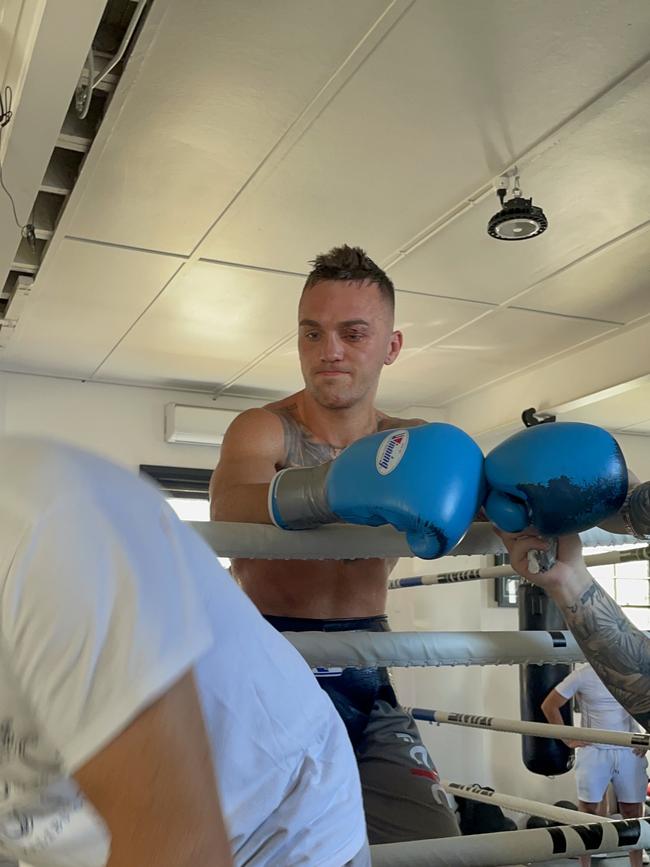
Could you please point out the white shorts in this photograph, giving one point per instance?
(596, 768)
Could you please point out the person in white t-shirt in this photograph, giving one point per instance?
(598, 765)
(136, 677)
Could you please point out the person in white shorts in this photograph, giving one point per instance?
(148, 714)
(598, 765)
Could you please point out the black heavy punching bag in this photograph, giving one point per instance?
(541, 755)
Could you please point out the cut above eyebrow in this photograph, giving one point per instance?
(311, 323)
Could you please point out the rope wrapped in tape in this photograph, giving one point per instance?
(524, 727)
(515, 847)
(408, 649)
(475, 792)
(347, 542)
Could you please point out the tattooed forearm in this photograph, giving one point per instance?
(617, 650)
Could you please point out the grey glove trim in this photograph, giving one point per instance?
(635, 512)
(298, 494)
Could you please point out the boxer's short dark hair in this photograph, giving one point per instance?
(350, 263)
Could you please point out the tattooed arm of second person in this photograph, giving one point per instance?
(616, 649)
(618, 652)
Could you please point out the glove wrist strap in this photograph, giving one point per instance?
(297, 498)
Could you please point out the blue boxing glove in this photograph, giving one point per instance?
(426, 481)
(560, 478)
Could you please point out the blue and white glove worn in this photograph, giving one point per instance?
(426, 481)
(562, 477)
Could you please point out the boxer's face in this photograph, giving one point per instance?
(346, 336)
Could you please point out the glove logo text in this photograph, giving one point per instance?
(391, 451)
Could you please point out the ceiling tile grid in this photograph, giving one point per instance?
(221, 84)
(211, 321)
(500, 343)
(613, 284)
(390, 160)
(91, 297)
(594, 187)
(433, 114)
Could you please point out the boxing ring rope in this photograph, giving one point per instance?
(518, 805)
(433, 649)
(539, 730)
(606, 559)
(348, 542)
(515, 847)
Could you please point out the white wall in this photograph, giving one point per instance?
(122, 423)
(637, 454)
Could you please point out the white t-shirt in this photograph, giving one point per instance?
(106, 599)
(598, 707)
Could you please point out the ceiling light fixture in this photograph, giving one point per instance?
(518, 218)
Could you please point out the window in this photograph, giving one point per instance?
(506, 588)
(185, 483)
(190, 510)
(186, 489)
(628, 583)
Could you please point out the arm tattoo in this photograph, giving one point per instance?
(617, 650)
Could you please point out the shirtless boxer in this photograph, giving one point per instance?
(346, 336)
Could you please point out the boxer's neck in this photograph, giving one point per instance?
(338, 427)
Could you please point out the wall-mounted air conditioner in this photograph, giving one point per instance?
(196, 425)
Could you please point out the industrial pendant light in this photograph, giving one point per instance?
(518, 218)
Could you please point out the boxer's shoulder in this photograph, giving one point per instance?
(390, 422)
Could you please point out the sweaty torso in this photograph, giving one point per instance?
(316, 588)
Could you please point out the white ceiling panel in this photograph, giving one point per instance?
(593, 186)
(277, 374)
(643, 428)
(220, 84)
(450, 96)
(414, 380)
(613, 284)
(82, 305)
(13, 31)
(259, 134)
(423, 319)
(463, 261)
(500, 344)
(211, 322)
(630, 408)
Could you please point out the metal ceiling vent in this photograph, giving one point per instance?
(106, 61)
(518, 218)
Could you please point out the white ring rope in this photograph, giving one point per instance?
(406, 649)
(347, 542)
(505, 571)
(514, 847)
(540, 730)
(518, 805)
